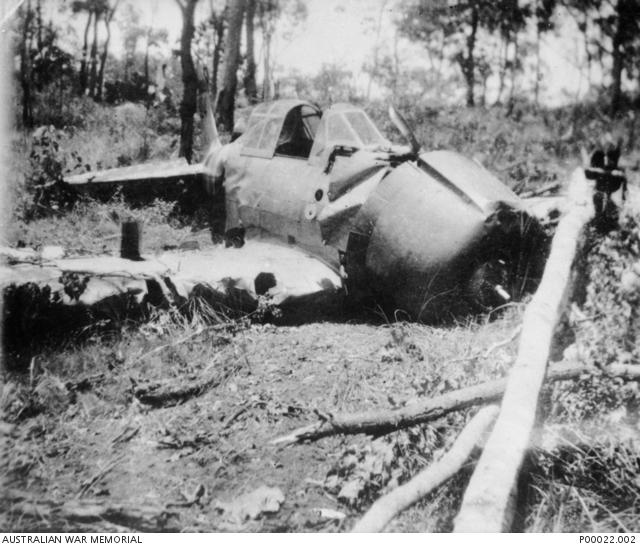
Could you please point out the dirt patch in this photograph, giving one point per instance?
(96, 441)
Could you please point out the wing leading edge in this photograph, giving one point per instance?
(159, 171)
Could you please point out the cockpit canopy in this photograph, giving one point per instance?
(299, 129)
(346, 125)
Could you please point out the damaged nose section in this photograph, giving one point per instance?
(517, 246)
(486, 286)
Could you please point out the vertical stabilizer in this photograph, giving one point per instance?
(211, 138)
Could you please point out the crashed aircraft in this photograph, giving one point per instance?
(426, 233)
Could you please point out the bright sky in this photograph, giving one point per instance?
(344, 32)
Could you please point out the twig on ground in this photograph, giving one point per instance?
(86, 485)
(236, 415)
(504, 342)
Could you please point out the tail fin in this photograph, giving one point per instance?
(209, 130)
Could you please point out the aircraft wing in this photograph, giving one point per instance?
(147, 172)
(297, 283)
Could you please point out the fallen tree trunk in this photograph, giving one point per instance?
(488, 502)
(383, 421)
(387, 507)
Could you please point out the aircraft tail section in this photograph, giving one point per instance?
(209, 130)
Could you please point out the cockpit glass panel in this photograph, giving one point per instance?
(252, 136)
(363, 126)
(270, 134)
(279, 109)
(339, 131)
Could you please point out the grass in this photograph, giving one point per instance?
(91, 227)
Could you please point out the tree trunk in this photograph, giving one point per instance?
(617, 54)
(266, 81)
(82, 77)
(250, 86)
(468, 63)
(105, 50)
(536, 90)
(226, 101)
(189, 103)
(503, 70)
(219, 33)
(39, 24)
(514, 68)
(93, 74)
(146, 62)
(25, 70)
(103, 60)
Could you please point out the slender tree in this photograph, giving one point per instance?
(111, 10)
(250, 86)
(93, 55)
(79, 7)
(189, 104)
(25, 66)
(219, 28)
(132, 31)
(226, 99)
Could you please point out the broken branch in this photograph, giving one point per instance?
(387, 507)
(383, 421)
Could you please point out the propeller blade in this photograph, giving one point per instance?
(404, 129)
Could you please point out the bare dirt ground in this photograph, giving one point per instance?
(93, 440)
